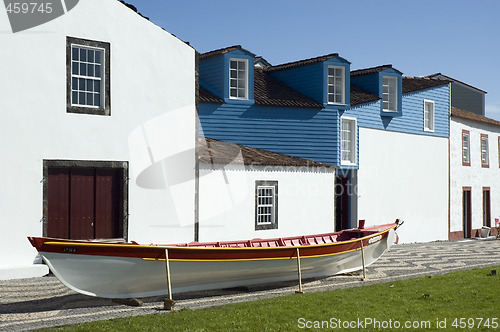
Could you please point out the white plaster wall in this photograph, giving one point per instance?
(404, 176)
(152, 122)
(227, 201)
(473, 176)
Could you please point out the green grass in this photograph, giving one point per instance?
(466, 294)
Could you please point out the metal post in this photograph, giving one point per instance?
(168, 303)
(299, 272)
(363, 260)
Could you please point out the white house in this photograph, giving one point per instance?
(247, 193)
(474, 174)
(98, 130)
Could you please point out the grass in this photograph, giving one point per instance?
(469, 294)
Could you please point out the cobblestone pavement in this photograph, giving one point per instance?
(44, 302)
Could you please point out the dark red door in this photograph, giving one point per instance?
(84, 203)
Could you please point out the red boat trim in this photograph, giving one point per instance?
(207, 254)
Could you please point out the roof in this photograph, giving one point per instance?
(212, 151)
(223, 51)
(411, 84)
(269, 91)
(463, 114)
(305, 62)
(207, 97)
(372, 70)
(361, 96)
(455, 80)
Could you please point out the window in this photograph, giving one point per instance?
(336, 90)
(390, 94)
(266, 205)
(485, 160)
(88, 76)
(465, 148)
(348, 141)
(238, 78)
(428, 115)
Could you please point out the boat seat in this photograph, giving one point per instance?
(305, 240)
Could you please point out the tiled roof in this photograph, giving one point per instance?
(372, 70)
(223, 153)
(455, 80)
(268, 91)
(223, 51)
(208, 97)
(459, 113)
(411, 84)
(361, 96)
(305, 62)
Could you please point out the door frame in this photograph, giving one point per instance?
(123, 165)
(467, 212)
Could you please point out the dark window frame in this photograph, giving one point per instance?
(106, 109)
(269, 183)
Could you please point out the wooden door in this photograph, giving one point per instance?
(467, 212)
(84, 203)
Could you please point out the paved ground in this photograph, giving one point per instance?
(44, 302)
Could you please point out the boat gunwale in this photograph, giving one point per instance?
(79, 243)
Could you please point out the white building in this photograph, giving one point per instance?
(98, 132)
(474, 174)
(250, 193)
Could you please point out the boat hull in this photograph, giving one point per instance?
(115, 276)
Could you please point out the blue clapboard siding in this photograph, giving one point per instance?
(307, 79)
(306, 133)
(212, 75)
(412, 120)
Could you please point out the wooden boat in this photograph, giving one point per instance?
(131, 270)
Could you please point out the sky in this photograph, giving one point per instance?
(457, 38)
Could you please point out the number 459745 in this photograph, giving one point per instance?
(471, 323)
(29, 7)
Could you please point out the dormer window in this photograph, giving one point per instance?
(390, 94)
(238, 79)
(336, 85)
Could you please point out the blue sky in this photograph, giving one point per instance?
(457, 38)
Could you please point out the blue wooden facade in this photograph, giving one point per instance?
(287, 109)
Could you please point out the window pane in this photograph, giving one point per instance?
(83, 54)
(97, 70)
(81, 98)
(74, 69)
(234, 65)
(74, 97)
(97, 86)
(90, 55)
(97, 100)
(74, 83)
(98, 56)
(90, 99)
(81, 84)
(90, 70)
(74, 53)
(83, 69)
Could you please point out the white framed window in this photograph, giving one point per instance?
(485, 159)
(348, 141)
(88, 76)
(266, 205)
(390, 94)
(87, 68)
(465, 148)
(336, 85)
(238, 79)
(428, 115)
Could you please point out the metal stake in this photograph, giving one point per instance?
(168, 303)
(299, 272)
(363, 261)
